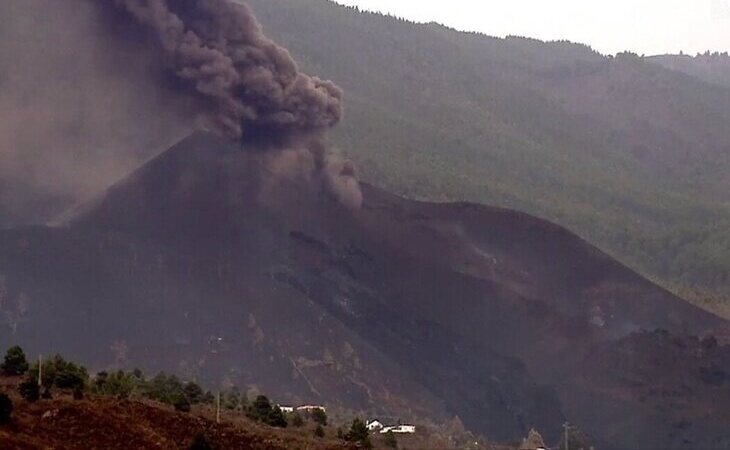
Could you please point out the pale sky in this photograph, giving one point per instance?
(609, 26)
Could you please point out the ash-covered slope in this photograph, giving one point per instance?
(628, 154)
(203, 262)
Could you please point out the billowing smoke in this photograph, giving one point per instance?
(89, 89)
(248, 87)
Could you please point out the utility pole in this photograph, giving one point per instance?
(566, 425)
(218, 407)
(40, 371)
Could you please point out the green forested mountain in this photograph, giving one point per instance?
(633, 156)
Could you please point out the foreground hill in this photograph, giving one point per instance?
(203, 264)
(123, 424)
(628, 154)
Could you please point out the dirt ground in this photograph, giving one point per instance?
(103, 423)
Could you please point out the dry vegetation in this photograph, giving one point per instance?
(108, 423)
(103, 422)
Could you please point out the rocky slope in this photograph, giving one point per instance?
(202, 263)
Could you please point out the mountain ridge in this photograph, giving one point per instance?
(628, 154)
(712, 68)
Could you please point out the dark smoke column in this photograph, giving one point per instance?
(218, 51)
(250, 88)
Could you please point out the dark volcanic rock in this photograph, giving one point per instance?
(201, 264)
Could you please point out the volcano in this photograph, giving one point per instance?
(204, 263)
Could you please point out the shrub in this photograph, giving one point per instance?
(15, 363)
(181, 404)
(117, 384)
(70, 377)
(319, 431)
(78, 393)
(261, 409)
(319, 416)
(46, 394)
(62, 374)
(208, 398)
(6, 409)
(233, 399)
(165, 389)
(359, 434)
(193, 393)
(100, 380)
(30, 390)
(297, 420)
(276, 418)
(390, 440)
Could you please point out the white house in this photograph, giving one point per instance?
(399, 429)
(286, 409)
(374, 425)
(311, 408)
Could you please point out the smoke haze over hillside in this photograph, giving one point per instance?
(248, 87)
(95, 88)
(78, 109)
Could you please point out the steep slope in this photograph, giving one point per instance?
(201, 262)
(628, 154)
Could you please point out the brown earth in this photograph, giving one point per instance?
(199, 264)
(106, 423)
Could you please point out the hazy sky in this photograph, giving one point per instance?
(609, 26)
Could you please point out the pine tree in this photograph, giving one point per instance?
(359, 434)
(276, 418)
(261, 408)
(15, 362)
(193, 393)
(29, 390)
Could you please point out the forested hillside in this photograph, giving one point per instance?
(631, 155)
(710, 67)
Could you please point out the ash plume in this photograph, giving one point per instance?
(89, 89)
(249, 88)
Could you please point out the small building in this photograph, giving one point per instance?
(374, 425)
(286, 409)
(399, 429)
(311, 408)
